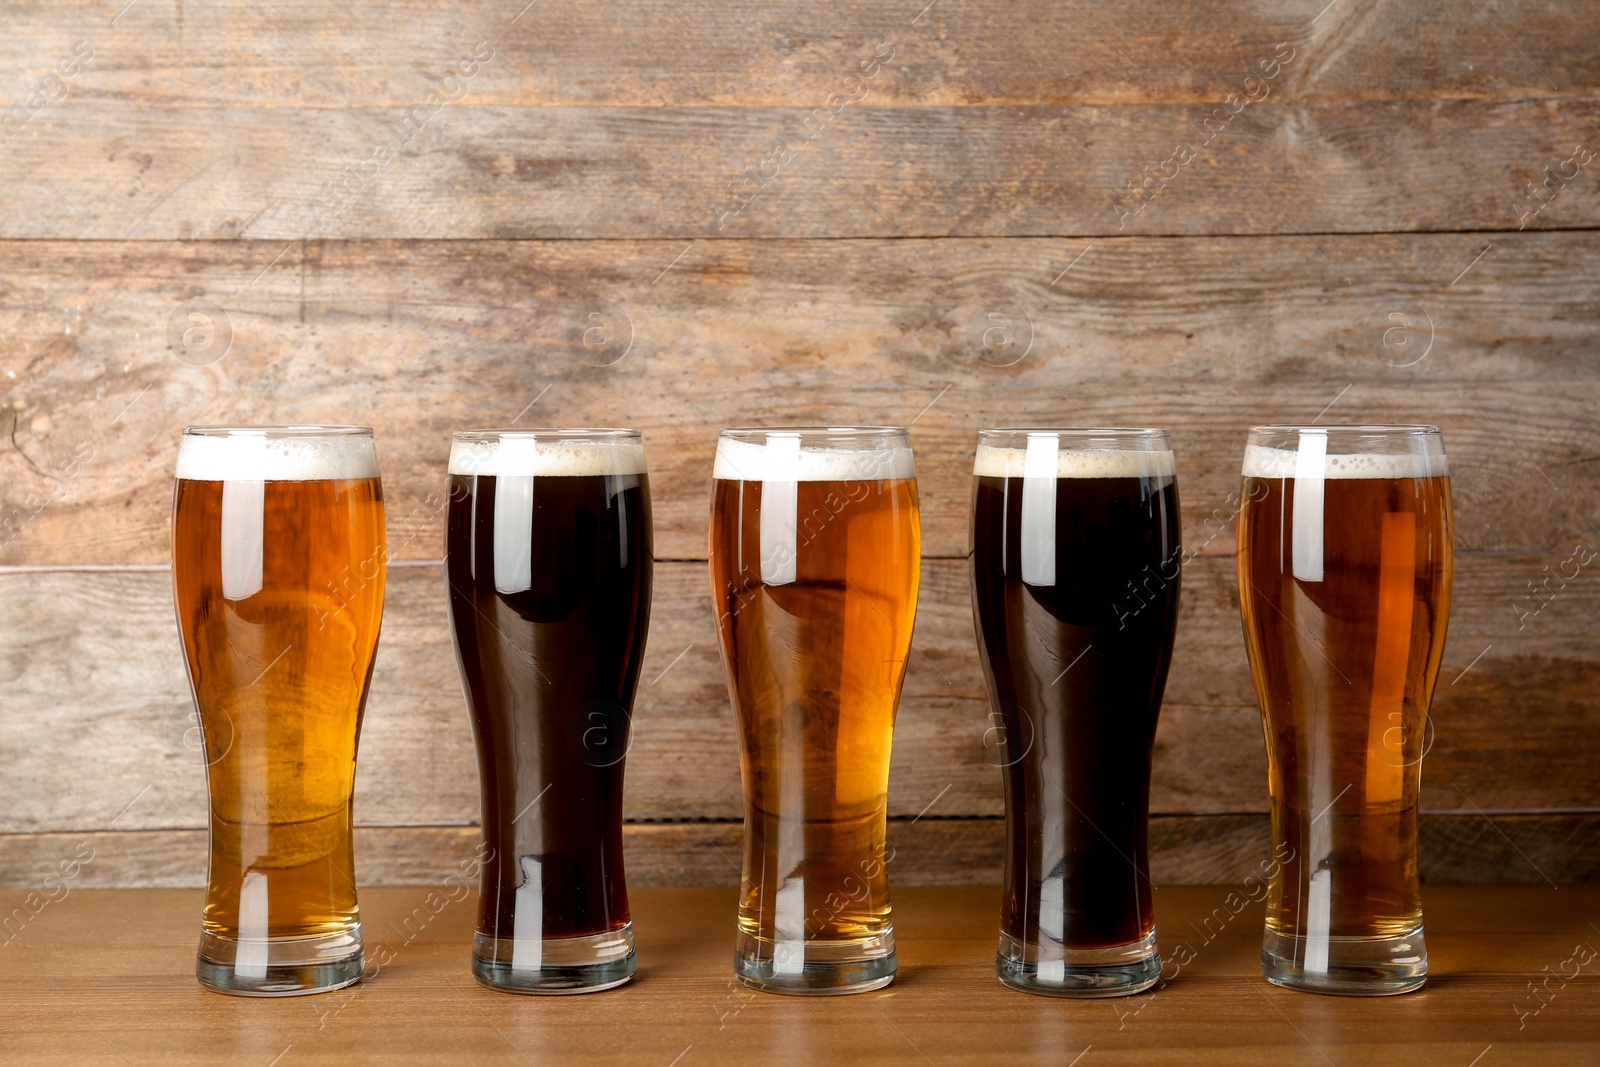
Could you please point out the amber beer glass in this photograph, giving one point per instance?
(1075, 573)
(815, 547)
(278, 572)
(1345, 560)
(548, 563)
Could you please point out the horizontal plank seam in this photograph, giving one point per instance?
(1574, 94)
(676, 238)
(93, 568)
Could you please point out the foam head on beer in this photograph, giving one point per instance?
(782, 462)
(509, 456)
(1262, 461)
(262, 456)
(1046, 457)
(785, 457)
(1310, 466)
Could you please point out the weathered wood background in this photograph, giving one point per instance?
(426, 216)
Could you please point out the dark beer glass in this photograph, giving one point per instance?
(815, 548)
(278, 559)
(548, 562)
(1075, 573)
(1345, 561)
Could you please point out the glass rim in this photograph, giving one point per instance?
(1075, 431)
(1366, 429)
(742, 432)
(543, 433)
(278, 431)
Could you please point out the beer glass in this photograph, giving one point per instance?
(1075, 573)
(815, 548)
(1344, 564)
(278, 562)
(548, 563)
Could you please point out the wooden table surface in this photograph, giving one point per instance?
(106, 976)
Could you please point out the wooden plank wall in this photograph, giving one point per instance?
(692, 214)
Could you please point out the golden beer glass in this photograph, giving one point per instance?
(278, 563)
(815, 548)
(1345, 560)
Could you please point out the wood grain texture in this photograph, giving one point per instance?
(1202, 336)
(856, 170)
(389, 53)
(427, 217)
(92, 664)
(107, 977)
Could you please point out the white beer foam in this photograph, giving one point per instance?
(532, 456)
(256, 457)
(1261, 461)
(995, 461)
(749, 461)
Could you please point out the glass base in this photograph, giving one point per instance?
(815, 968)
(1053, 970)
(280, 967)
(557, 965)
(1349, 966)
